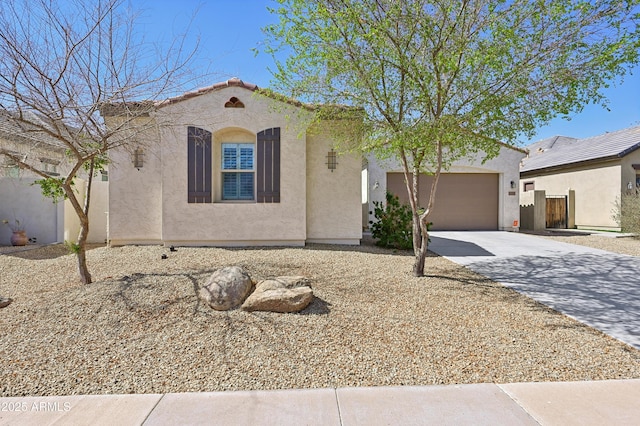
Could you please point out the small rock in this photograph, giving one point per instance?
(226, 288)
(5, 301)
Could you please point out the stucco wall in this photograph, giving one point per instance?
(628, 172)
(41, 218)
(98, 212)
(334, 199)
(228, 222)
(506, 165)
(596, 188)
(45, 220)
(150, 205)
(532, 210)
(135, 195)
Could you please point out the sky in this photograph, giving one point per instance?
(230, 29)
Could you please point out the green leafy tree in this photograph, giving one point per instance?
(64, 61)
(441, 80)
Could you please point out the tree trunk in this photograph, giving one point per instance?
(421, 255)
(420, 258)
(420, 221)
(83, 270)
(79, 248)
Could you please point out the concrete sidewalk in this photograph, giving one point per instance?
(596, 287)
(561, 403)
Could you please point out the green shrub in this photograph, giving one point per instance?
(393, 225)
(627, 212)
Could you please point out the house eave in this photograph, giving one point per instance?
(568, 166)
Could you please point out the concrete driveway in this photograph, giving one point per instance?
(596, 287)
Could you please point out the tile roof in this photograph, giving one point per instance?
(560, 151)
(10, 130)
(235, 81)
(144, 107)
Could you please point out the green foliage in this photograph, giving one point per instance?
(441, 81)
(463, 74)
(393, 225)
(627, 212)
(52, 188)
(72, 247)
(97, 164)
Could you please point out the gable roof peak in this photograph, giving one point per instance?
(232, 82)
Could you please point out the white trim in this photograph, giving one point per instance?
(337, 241)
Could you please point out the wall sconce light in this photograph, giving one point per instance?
(138, 158)
(332, 160)
(513, 184)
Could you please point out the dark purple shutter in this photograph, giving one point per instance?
(199, 165)
(268, 166)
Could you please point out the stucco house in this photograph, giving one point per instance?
(233, 165)
(588, 174)
(45, 222)
(39, 151)
(471, 194)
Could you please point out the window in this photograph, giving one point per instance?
(49, 166)
(199, 165)
(237, 171)
(529, 186)
(247, 171)
(11, 168)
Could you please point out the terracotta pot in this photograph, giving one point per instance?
(19, 238)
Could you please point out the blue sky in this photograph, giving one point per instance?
(230, 29)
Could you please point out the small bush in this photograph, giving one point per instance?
(393, 225)
(627, 212)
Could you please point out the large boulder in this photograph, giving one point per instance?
(227, 288)
(281, 294)
(284, 282)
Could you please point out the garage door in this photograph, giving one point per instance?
(464, 201)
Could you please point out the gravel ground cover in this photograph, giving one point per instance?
(140, 327)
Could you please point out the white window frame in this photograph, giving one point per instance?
(238, 171)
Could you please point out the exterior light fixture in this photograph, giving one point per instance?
(513, 184)
(138, 158)
(332, 160)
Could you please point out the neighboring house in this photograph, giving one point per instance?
(587, 176)
(44, 221)
(229, 165)
(19, 199)
(471, 194)
(39, 151)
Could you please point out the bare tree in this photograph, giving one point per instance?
(62, 62)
